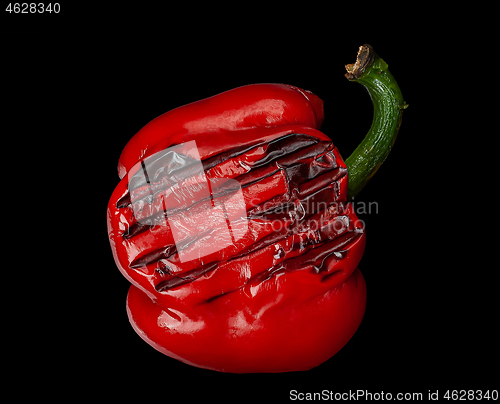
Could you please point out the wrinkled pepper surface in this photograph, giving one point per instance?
(232, 223)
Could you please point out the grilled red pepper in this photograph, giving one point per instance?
(231, 221)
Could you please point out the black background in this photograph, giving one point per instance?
(76, 95)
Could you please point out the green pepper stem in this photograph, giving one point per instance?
(388, 105)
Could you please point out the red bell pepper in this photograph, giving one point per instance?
(232, 223)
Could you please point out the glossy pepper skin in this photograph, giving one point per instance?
(240, 109)
(286, 294)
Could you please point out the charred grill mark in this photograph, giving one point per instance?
(313, 251)
(312, 177)
(313, 259)
(279, 147)
(306, 154)
(300, 167)
(164, 172)
(211, 299)
(286, 145)
(187, 277)
(124, 201)
(221, 157)
(139, 227)
(264, 276)
(153, 256)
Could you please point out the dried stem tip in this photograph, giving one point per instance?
(364, 58)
